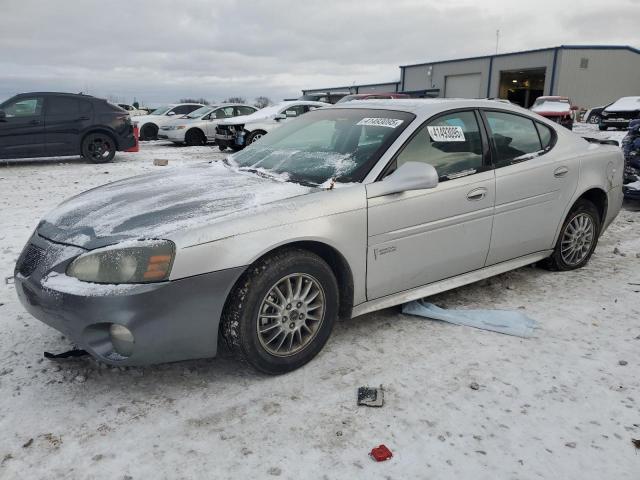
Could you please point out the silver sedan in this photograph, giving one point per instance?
(341, 212)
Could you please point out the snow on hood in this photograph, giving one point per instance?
(155, 205)
(625, 104)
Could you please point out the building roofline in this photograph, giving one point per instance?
(319, 90)
(560, 47)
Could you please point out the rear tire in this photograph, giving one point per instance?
(195, 137)
(577, 239)
(98, 148)
(282, 311)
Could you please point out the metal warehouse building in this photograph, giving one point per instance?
(590, 75)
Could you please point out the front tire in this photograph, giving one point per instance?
(602, 127)
(578, 238)
(282, 311)
(255, 136)
(98, 148)
(594, 119)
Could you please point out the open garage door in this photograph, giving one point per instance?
(462, 86)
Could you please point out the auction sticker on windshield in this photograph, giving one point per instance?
(446, 134)
(380, 122)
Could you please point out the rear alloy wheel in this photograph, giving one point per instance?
(98, 148)
(577, 239)
(195, 137)
(282, 311)
(594, 119)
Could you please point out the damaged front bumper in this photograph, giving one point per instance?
(168, 321)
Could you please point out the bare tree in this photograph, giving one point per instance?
(235, 100)
(261, 102)
(201, 100)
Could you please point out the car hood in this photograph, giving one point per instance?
(244, 119)
(156, 205)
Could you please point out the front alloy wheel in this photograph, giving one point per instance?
(281, 312)
(291, 314)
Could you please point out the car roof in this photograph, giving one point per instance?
(83, 95)
(300, 102)
(429, 106)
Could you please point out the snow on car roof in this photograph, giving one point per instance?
(624, 104)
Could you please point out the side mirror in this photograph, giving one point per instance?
(280, 116)
(171, 114)
(3, 116)
(409, 176)
(291, 113)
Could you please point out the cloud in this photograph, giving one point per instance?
(158, 50)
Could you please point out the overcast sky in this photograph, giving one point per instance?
(159, 51)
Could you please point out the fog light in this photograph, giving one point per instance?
(121, 339)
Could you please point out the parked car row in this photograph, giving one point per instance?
(199, 126)
(236, 133)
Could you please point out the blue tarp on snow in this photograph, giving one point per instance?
(501, 321)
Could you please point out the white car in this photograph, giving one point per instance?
(240, 131)
(199, 126)
(150, 124)
(133, 111)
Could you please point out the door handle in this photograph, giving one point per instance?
(34, 122)
(83, 118)
(477, 194)
(560, 172)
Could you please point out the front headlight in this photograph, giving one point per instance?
(130, 262)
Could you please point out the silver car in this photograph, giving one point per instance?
(341, 212)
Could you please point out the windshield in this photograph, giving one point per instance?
(348, 98)
(201, 112)
(161, 110)
(338, 144)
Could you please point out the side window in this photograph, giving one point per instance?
(62, 106)
(184, 109)
(24, 107)
(296, 110)
(225, 112)
(451, 143)
(245, 110)
(546, 135)
(515, 137)
(86, 108)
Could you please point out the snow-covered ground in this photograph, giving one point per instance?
(564, 404)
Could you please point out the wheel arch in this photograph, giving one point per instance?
(102, 130)
(336, 261)
(599, 198)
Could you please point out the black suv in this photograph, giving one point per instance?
(46, 124)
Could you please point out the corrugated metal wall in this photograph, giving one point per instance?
(609, 75)
(522, 61)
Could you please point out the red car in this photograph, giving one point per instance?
(558, 109)
(371, 96)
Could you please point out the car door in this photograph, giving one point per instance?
(22, 128)
(535, 180)
(419, 237)
(65, 120)
(215, 117)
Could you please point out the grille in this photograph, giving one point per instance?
(31, 257)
